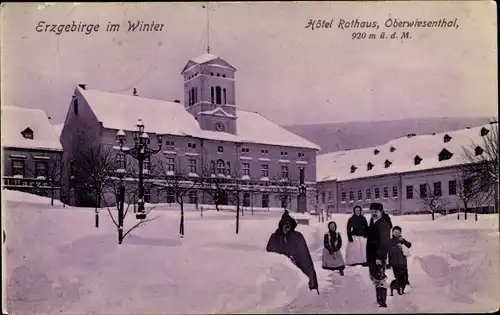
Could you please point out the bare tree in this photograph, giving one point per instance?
(55, 170)
(175, 180)
(286, 189)
(482, 166)
(236, 191)
(433, 200)
(213, 185)
(466, 191)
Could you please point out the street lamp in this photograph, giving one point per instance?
(140, 152)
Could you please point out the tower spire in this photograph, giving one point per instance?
(208, 28)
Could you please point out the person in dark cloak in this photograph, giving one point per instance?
(291, 243)
(377, 247)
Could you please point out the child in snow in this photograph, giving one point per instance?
(397, 257)
(332, 257)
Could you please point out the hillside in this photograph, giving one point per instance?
(333, 137)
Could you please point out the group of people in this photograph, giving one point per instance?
(369, 245)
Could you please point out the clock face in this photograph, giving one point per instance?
(219, 126)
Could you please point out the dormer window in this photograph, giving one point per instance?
(478, 150)
(27, 133)
(353, 169)
(245, 150)
(376, 152)
(446, 138)
(392, 149)
(387, 163)
(484, 132)
(444, 155)
(417, 160)
(369, 166)
(75, 106)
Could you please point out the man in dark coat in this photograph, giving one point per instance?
(291, 243)
(377, 244)
(386, 217)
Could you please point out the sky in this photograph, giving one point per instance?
(287, 72)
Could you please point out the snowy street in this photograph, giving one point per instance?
(57, 261)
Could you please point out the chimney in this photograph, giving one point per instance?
(135, 92)
(177, 101)
(82, 86)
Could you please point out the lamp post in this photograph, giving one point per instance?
(140, 152)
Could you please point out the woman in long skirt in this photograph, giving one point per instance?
(332, 256)
(357, 228)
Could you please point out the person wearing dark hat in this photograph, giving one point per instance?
(386, 217)
(286, 241)
(398, 250)
(377, 242)
(357, 227)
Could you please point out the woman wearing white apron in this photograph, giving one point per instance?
(332, 256)
(357, 227)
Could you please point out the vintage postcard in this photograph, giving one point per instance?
(249, 157)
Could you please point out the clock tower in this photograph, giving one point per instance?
(209, 93)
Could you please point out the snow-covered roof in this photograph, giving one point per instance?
(17, 119)
(118, 111)
(59, 128)
(204, 58)
(337, 165)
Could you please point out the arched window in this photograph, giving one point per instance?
(212, 167)
(212, 94)
(220, 167)
(189, 95)
(225, 100)
(228, 168)
(195, 95)
(218, 95)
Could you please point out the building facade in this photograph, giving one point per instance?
(31, 152)
(405, 174)
(205, 137)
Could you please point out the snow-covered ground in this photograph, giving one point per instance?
(57, 261)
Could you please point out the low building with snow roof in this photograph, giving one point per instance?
(205, 133)
(401, 173)
(31, 152)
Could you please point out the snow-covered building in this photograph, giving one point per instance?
(31, 152)
(401, 173)
(205, 133)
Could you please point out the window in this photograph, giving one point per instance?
(192, 145)
(169, 143)
(171, 164)
(452, 187)
(218, 74)
(246, 169)
(75, 106)
(220, 167)
(245, 150)
(170, 196)
(212, 94)
(323, 197)
(212, 167)
(218, 96)
(392, 149)
(444, 155)
(220, 149)
(301, 154)
(368, 194)
(284, 153)
(147, 164)
(484, 132)
(446, 138)
(120, 161)
(263, 151)
(343, 196)
(386, 192)
(246, 199)
(27, 133)
(18, 168)
(228, 168)
(467, 186)
(409, 192)
(360, 195)
(265, 200)
(369, 166)
(265, 170)
(193, 197)
(377, 192)
(223, 75)
(192, 166)
(423, 190)
(417, 160)
(353, 168)
(330, 197)
(394, 191)
(284, 171)
(211, 73)
(387, 163)
(351, 195)
(225, 96)
(376, 152)
(478, 150)
(437, 189)
(147, 195)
